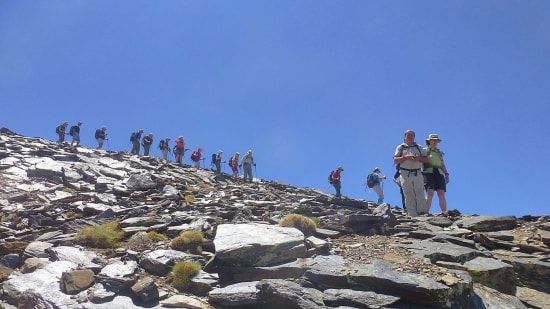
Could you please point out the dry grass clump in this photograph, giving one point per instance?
(106, 235)
(183, 272)
(303, 223)
(189, 198)
(155, 236)
(188, 241)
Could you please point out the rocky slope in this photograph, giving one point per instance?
(362, 255)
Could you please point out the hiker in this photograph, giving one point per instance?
(410, 157)
(377, 178)
(218, 161)
(246, 163)
(134, 139)
(234, 164)
(196, 157)
(435, 172)
(179, 149)
(397, 180)
(147, 141)
(100, 136)
(164, 147)
(336, 181)
(74, 131)
(60, 130)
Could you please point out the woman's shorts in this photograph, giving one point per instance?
(435, 182)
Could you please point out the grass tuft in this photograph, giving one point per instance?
(106, 235)
(188, 241)
(183, 272)
(303, 223)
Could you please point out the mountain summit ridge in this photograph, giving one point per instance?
(362, 254)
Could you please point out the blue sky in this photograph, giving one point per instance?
(307, 85)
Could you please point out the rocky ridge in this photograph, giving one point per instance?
(362, 255)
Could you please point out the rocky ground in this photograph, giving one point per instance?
(362, 255)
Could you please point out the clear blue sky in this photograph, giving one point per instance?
(307, 85)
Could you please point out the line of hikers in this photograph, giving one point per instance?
(136, 139)
(419, 170)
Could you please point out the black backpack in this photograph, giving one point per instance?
(330, 177)
(58, 129)
(133, 137)
(71, 131)
(162, 144)
(213, 158)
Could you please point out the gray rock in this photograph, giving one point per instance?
(140, 182)
(146, 289)
(485, 297)
(492, 273)
(236, 295)
(38, 249)
(278, 293)
(363, 299)
(239, 244)
(487, 223)
(74, 281)
(118, 269)
(444, 251)
(160, 262)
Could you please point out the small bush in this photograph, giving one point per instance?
(183, 272)
(154, 236)
(189, 198)
(104, 236)
(304, 224)
(188, 241)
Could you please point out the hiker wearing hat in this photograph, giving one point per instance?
(247, 162)
(336, 181)
(164, 147)
(179, 149)
(60, 130)
(409, 156)
(100, 136)
(435, 171)
(196, 157)
(134, 139)
(234, 164)
(74, 131)
(377, 179)
(146, 142)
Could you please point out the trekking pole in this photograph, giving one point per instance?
(255, 171)
(108, 146)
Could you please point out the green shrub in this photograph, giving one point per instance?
(104, 236)
(154, 236)
(303, 223)
(188, 241)
(183, 272)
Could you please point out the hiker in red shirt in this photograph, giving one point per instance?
(196, 157)
(336, 182)
(179, 149)
(234, 164)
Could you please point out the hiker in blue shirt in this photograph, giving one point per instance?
(135, 138)
(377, 178)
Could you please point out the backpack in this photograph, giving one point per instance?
(230, 162)
(330, 177)
(71, 131)
(162, 144)
(213, 158)
(58, 129)
(370, 180)
(97, 132)
(195, 156)
(132, 137)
